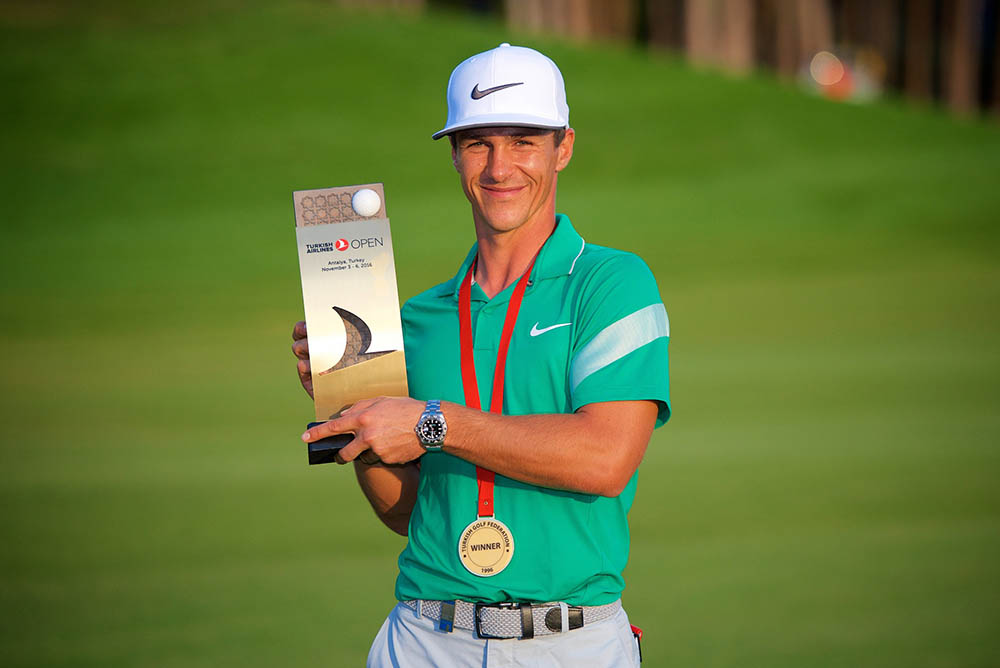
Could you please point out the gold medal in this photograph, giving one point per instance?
(486, 547)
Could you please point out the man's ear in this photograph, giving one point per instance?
(565, 150)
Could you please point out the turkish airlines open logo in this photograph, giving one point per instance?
(341, 244)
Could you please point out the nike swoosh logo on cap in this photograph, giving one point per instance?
(535, 331)
(479, 94)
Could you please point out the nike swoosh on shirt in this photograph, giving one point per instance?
(479, 94)
(535, 331)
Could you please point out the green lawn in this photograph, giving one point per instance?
(827, 491)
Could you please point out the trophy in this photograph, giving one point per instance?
(351, 302)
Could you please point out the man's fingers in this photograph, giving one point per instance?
(360, 406)
(352, 450)
(369, 457)
(300, 348)
(305, 376)
(341, 425)
(299, 331)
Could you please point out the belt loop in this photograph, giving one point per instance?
(564, 612)
(527, 622)
(420, 608)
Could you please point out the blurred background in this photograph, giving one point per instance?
(942, 51)
(814, 184)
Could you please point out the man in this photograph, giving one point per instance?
(537, 375)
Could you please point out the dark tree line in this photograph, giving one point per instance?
(943, 51)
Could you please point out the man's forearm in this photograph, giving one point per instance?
(391, 491)
(595, 450)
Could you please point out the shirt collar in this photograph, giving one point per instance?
(557, 258)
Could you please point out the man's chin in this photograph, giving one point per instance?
(503, 221)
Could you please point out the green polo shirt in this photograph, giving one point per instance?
(591, 328)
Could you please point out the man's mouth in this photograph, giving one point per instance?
(504, 192)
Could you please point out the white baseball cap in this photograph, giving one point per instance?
(508, 85)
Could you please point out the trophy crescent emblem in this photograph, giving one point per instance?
(359, 339)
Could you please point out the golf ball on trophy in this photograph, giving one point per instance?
(366, 202)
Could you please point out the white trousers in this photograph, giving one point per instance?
(408, 641)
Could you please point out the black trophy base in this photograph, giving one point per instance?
(325, 450)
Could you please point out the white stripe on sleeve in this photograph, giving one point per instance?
(619, 339)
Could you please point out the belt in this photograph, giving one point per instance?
(512, 620)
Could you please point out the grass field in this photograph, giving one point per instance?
(827, 491)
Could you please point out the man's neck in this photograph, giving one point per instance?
(505, 256)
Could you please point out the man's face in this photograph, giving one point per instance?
(509, 174)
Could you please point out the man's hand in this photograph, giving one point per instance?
(300, 347)
(383, 425)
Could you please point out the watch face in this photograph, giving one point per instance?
(432, 430)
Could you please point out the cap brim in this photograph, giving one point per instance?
(493, 121)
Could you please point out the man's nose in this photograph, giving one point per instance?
(500, 164)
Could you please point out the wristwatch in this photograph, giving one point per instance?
(431, 427)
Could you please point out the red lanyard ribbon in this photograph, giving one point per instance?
(484, 476)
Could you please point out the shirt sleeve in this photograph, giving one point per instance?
(620, 344)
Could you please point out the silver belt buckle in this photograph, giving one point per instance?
(504, 605)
